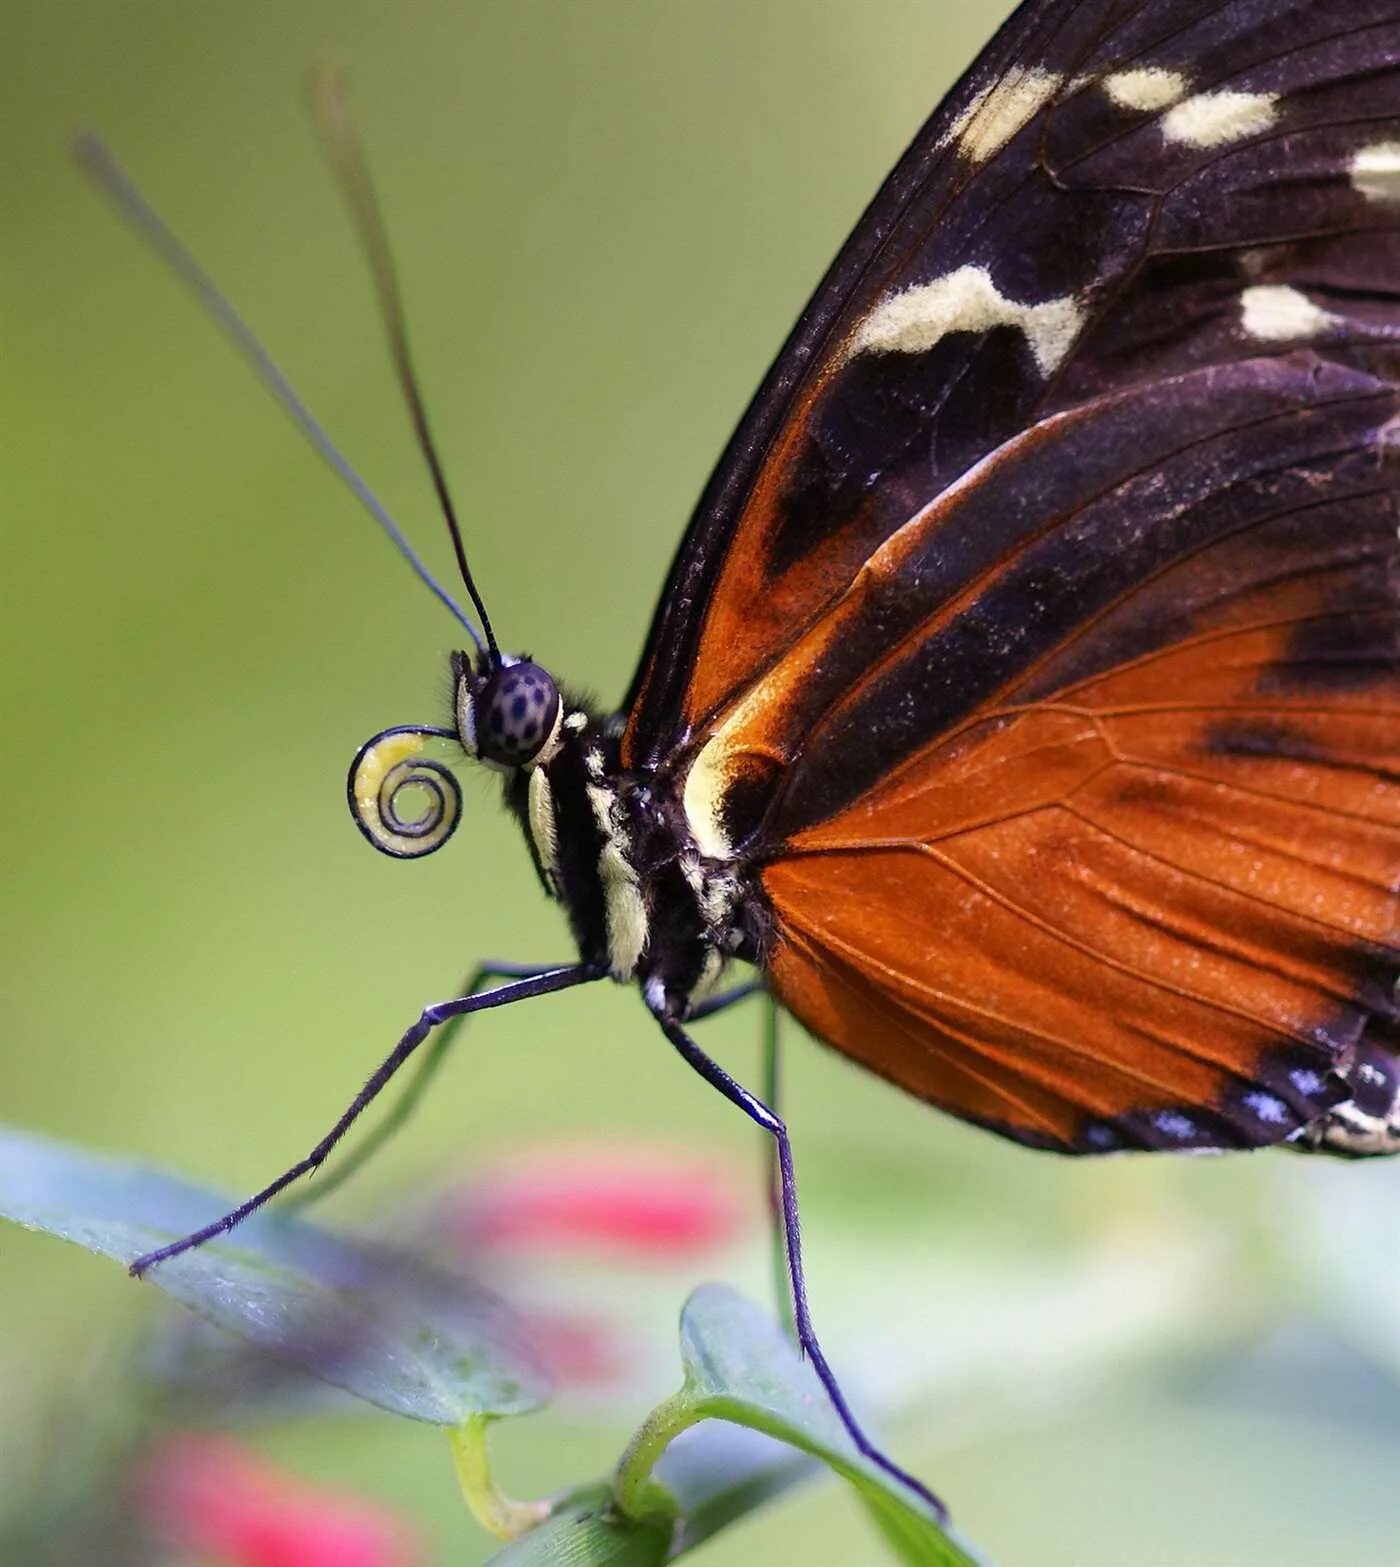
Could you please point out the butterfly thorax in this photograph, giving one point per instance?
(615, 849)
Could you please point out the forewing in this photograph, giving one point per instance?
(1117, 194)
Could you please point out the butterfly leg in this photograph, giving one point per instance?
(428, 1019)
(773, 1185)
(757, 1111)
(424, 1073)
(782, 1295)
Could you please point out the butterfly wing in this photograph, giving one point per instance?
(1036, 644)
(1113, 191)
(1124, 873)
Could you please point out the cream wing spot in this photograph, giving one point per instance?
(998, 112)
(1146, 89)
(703, 797)
(1273, 312)
(1375, 171)
(967, 300)
(1214, 119)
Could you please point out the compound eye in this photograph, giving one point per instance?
(517, 714)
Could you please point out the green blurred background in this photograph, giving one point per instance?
(606, 214)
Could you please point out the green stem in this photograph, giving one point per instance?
(501, 1514)
(636, 1493)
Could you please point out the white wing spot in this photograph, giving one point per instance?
(1267, 1108)
(996, 114)
(1211, 119)
(1375, 171)
(1146, 89)
(1172, 1124)
(1274, 313)
(967, 300)
(1305, 1081)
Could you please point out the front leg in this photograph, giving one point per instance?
(418, 1084)
(757, 1111)
(428, 1019)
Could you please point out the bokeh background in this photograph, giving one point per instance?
(606, 214)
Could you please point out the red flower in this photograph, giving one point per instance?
(643, 1202)
(580, 1352)
(211, 1497)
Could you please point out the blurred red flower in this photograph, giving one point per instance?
(580, 1352)
(650, 1204)
(213, 1498)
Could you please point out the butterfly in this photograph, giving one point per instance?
(1023, 702)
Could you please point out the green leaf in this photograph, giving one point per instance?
(740, 1367)
(751, 1418)
(415, 1342)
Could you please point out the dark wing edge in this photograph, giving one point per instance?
(1081, 213)
(675, 625)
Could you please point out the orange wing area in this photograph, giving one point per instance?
(1122, 873)
(1111, 923)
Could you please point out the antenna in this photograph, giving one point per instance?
(347, 158)
(95, 158)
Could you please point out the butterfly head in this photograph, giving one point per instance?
(509, 715)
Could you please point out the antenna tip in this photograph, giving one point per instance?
(326, 93)
(87, 148)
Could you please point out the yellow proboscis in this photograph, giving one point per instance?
(376, 764)
(388, 765)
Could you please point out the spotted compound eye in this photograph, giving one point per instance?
(516, 714)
